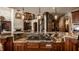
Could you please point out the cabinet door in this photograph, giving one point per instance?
(7, 44)
(70, 44)
(58, 46)
(6, 25)
(32, 46)
(75, 16)
(67, 44)
(45, 46)
(19, 46)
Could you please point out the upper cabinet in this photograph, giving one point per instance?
(28, 16)
(5, 19)
(75, 21)
(75, 16)
(61, 24)
(50, 22)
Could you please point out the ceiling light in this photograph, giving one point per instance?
(56, 17)
(23, 17)
(39, 17)
(53, 8)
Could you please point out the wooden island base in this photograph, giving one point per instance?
(67, 45)
(38, 46)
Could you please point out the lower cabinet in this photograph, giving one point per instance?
(58, 46)
(71, 45)
(7, 44)
(38, 46)
(32, 46)
(45, 46)
(19, 46)
(68, 45)
(26, 46)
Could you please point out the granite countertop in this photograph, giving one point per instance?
(5, 36)
(24, 40)
(21, 40)
(18, 32)
(71, 36)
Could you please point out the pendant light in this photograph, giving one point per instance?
(67, 20)
(23, 14)
(39, 15)
(55, 16)
(18, 14)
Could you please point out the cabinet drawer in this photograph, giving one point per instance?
(32, 45)
(45, 45)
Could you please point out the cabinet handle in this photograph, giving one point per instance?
(48, 45)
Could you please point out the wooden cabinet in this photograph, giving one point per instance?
(26, 46)
(75, 16)
(77, 46)
(49, 20)
(27, 26)
(7, 44)
(42, 46)
(35, 26)
(70, 44)
(6, 25)
(45, 46)
(52, 46)
(32, 46)
(19, 46)
(2, 40)
(28, 16)
(58, 46)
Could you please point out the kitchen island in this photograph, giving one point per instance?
(69, 43)
(22, 44)
(38, 45)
